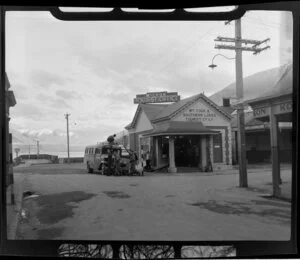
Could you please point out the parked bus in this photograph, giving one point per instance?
(96, 157)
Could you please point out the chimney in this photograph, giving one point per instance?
(226, 102)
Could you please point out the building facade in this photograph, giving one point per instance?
(10, 101)
(193, 132)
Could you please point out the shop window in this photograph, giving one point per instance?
(165, 147)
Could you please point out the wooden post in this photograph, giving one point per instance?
(172, 168)
(275, 154)
(157, 160)
(203, 152)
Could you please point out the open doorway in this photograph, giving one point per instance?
(187, 151)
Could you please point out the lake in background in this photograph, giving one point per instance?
(59, 154)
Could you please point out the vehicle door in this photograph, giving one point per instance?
(103, 155)
(97, 157)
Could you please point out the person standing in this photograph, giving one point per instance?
(111, 139)
(133, 159)
(148, 167)
(109, 162)
(117, 162)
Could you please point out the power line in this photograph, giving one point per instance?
(185, 51)
(269, 23)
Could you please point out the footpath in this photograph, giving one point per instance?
(13, 210)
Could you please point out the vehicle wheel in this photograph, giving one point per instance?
(89, 170)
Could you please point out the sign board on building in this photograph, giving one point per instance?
(277, 109)
(261, 112)
(202, 112)
(156, 97)
(199, 115)
(283, 108)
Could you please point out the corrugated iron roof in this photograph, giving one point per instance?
(150, 111)
(175, 128)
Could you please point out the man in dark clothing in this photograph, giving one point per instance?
(111, 139)
(117, 162)
(109, 162)
(148, 166)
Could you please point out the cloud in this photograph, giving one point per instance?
(60, 103)
(37, 133)
(67, 94)
(71, 134)
(28, 111)
(42, 78)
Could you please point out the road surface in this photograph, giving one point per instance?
(72, 204)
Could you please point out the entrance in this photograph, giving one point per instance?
(187, 151)
(217, 148)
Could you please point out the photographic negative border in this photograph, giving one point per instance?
(243, 248)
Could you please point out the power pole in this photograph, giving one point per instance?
(68, 144)
(37, 148)
(238, 48)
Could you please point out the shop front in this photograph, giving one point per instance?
(183, 144)
(193, 132)
(274, 110)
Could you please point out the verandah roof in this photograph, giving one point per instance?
(181, 128)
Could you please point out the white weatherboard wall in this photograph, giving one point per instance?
(143, 123)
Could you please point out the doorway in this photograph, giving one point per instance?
(217, 148)
(187, 151)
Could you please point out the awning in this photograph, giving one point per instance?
(181, 128)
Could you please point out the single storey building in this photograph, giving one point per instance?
(192, 132)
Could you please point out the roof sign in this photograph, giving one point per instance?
(156, 97)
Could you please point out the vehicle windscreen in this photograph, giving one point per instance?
(105, 150)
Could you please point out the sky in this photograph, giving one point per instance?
(94, 70)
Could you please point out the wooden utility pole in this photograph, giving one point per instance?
(68, 143)
(243, 180)
(37, 148)
(240, 111)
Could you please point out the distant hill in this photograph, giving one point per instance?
(264, 83)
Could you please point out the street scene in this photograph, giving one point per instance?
(150, 130)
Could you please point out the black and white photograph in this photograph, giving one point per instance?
(149, 130)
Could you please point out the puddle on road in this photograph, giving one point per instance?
(272, 203)
(50, 233)
(170, 196)
(45, 210)
(134, 185)
(54, 207)
(282, 215)
(117, 194)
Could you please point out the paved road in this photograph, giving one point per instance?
(153, 207)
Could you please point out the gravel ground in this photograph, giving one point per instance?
(152, 207)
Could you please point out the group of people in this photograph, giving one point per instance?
(146, 160)
(114, 160)
(115, 167)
